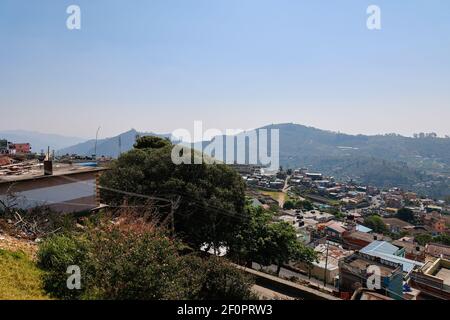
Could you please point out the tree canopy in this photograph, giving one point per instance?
(211, 196)
(405, 214)
(375, 223)
(266, 242)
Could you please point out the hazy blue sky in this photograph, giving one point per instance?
(158, 65)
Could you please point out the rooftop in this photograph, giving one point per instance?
(362, 228)
(387, 251)
(436, 250)
(361, 263)
(396, 222)
(34, 170)
(380, 247)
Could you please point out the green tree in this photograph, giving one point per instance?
(423, 239)
(444, 239)
(288, 205)
(405, 214)
(151, 142)
(375, 223)
(266, 242)
(284, 247)
(305, 205)
(211, 198)
(220, 280)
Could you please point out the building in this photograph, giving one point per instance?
(394, 201)
(333, 230)
(388, 252)
(436, 221)
(70, 188)
(4, 146)
(317, 215)
(366, 294)
(433, 280)
(327, 265)
(355, 272)
(19, 148)
(356, 240)
(435, 251)
(383, 247)
(396, 225)
(314, 176)
(413, 250)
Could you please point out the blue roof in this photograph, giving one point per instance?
(380, 247)
(363, 229)
(386, 251)
(407, 264)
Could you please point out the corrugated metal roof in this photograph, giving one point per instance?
(386, 251)
(363, 228)
(380, 247)
(407, 264)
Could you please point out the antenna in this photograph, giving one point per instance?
(95, 147)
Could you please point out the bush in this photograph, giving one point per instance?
(133, 259)
(55, 255)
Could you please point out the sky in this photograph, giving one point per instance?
(160, 65)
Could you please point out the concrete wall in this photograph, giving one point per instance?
(74, 192)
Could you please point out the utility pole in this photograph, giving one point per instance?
(95, 147)
(326, 264)
(174, 206)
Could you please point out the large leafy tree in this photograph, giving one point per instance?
(266, 242)
(208, 199)
(375, 223)
(405, 214)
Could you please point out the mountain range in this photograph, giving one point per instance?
(419, 164)
(39, 141)
(391, 160)
(109, 147)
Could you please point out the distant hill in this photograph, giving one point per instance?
(109, 147)
(39, 141)
(420, 164)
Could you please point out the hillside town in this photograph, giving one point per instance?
(351, 226)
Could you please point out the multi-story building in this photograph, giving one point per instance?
(356, 272)
(16, 148)
(433, 280)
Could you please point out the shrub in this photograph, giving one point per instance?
(55, 255)
(134, 259)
